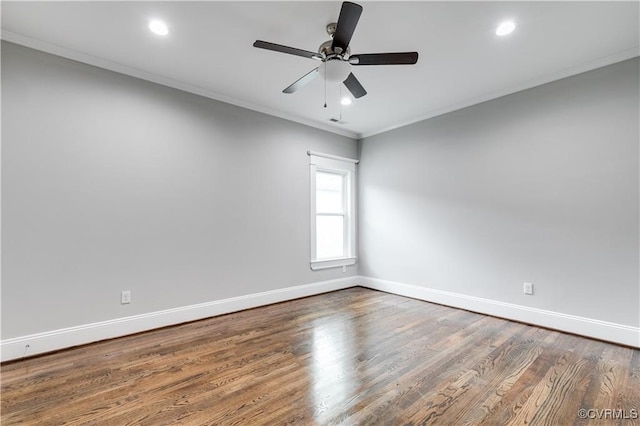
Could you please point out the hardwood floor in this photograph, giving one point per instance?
(355, 356)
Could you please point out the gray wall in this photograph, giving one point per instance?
(113, 183)
(540, 186)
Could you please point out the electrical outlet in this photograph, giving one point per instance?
(125, 297)
(528, 288)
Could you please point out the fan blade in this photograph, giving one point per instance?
(302, 81)
(286, 49)
(400, 58)
(347, 21)
(354, 86)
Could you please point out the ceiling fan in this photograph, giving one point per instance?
(336, 56)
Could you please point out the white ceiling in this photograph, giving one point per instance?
(209, 50)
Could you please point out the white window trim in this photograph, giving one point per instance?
(346, 166)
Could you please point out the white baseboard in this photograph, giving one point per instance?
(602, 330)
(15, 348)
(11, 349)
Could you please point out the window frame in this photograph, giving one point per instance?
(346, 167)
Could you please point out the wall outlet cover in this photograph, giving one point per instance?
(528, 288)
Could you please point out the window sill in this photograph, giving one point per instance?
(333, 263)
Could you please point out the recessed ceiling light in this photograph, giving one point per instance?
(346, 101)
(505, 28)
(158, 27)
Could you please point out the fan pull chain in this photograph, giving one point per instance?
(325, 83)
(340, 102)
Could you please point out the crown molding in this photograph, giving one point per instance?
(162, 80)
(165, 81)
(548, 78)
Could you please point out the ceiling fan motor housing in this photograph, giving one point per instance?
(326, 49)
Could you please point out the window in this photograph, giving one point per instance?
(333, 238)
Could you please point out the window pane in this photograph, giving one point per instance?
(329, 187)
(329, 237)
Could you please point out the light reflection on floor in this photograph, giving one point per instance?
(335, 380)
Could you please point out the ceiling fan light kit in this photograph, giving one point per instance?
(335, 71)
(336, 57)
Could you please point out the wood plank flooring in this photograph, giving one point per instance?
(350, 357)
